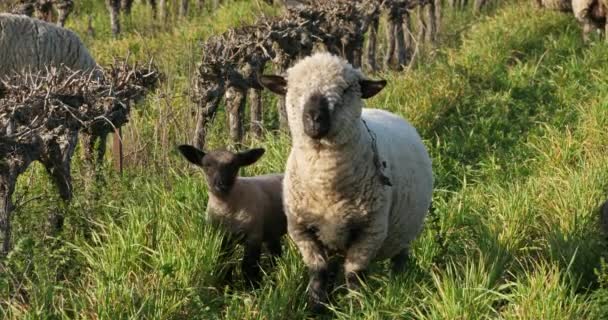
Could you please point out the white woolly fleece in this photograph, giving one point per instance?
(332, 186)
(32, 45)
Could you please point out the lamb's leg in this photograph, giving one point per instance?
(363, 248)
(399, 262)
(251, 262)
(316, 261)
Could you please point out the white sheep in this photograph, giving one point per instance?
(28, 44)
(592, 14)
(249, 209)
(358, 182)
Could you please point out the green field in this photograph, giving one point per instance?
(512, 105)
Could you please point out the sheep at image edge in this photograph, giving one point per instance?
(342, 197)
(28, 44)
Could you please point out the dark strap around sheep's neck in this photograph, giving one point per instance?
(384, 180)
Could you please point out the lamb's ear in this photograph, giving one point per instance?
(191, 154)
(276, 84)
(249, 157)
(370, 88)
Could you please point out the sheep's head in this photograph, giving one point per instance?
(324, 97)
(221, 167)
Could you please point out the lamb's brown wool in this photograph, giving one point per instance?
(249, 209)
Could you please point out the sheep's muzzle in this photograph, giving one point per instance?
(316, 117)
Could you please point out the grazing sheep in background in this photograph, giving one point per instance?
(591, 14)
(34, 45)
(250, 209)
(358, 182)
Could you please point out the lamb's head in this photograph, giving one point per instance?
(221, 167)
(323, 97)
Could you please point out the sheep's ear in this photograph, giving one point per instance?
(192, 154)
(276, 84)
(370, 88)
(249, 157)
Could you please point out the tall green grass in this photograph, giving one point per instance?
(512, 107)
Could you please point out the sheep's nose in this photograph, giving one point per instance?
(317, 118)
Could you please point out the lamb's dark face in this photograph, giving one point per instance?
(221, 167)
(327, 112)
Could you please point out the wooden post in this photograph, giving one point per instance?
(6, 207)
(117, 150)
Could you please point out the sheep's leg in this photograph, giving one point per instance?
(362, 249)
(7, 187)
(255, 99)
(400, 261)
(251, 262)
(372, 44)
(316, 261)
(606, 29)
